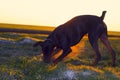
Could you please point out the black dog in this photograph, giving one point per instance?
(71, 32)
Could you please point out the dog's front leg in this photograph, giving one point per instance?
(56, 50)
(65, 53)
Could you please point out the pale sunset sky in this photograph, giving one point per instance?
(56, 12)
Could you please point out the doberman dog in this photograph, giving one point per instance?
(71, 32)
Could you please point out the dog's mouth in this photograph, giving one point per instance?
(47, 59)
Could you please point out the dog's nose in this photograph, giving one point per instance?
(46, 61)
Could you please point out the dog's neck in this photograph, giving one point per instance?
(50, 41)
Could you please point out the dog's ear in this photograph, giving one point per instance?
(40, 43)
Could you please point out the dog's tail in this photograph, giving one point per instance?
(103, 15)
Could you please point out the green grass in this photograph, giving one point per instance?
(23, 62)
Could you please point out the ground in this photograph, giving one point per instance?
(20, 61)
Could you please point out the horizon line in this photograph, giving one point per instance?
(36, 25)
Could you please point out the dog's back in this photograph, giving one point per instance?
(72, 31)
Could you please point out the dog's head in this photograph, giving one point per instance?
(47, 49)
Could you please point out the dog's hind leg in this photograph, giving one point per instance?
(104, 39)
(93, 38)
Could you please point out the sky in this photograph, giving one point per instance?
(56, 12)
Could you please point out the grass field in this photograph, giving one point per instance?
(37, 29)
(26, 27)
(20, 61)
